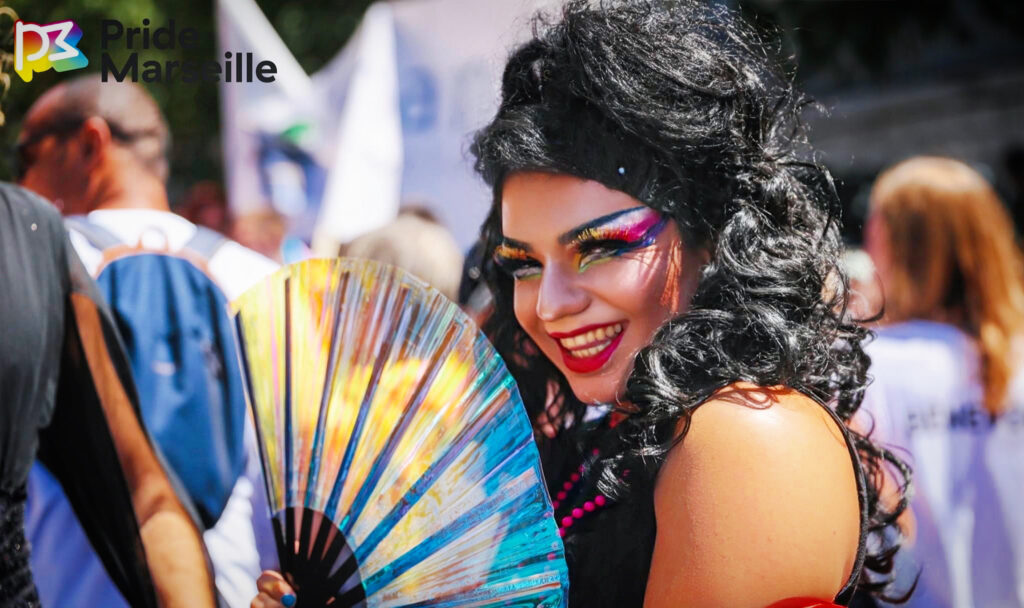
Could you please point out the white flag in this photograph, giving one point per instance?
(272, 141)
(360, 89)
(450, 60)
(410, 88)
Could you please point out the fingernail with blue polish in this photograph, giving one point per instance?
(288, 600)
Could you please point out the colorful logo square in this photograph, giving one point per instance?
(39, 47)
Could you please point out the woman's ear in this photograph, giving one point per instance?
(670, 296)
(684, 270)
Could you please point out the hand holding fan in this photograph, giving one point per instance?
(399, 462)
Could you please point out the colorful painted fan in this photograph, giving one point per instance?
(400, 464)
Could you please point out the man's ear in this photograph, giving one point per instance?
(94, 138)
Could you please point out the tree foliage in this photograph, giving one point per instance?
(313, 30)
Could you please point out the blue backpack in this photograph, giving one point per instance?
(174, 322)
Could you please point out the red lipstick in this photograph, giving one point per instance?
(602, 347)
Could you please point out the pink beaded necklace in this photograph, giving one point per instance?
(567, 517)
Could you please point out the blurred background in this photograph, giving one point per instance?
(373, 102)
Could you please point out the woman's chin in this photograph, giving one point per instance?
(595, 391)
(602, 386)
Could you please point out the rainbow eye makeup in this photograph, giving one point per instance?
(614, 235)
(600, 240)
(513, 258)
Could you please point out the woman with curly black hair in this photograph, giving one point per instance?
(663, 243)
(658, 217)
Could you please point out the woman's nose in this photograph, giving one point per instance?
(560, 295)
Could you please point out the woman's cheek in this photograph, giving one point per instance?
(524, 305)
(628, 281)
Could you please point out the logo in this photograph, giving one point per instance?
(38, 48)
(236, 67)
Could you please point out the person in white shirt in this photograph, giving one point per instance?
(98, 149)
(948, 386)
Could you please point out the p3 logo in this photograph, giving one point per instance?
(39, 47)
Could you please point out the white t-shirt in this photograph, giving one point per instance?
(67, 571)
(968, 467)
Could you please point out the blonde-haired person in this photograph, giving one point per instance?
(418, 244)
(948, 386)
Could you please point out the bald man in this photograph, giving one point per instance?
(99, 149)
(89, 145)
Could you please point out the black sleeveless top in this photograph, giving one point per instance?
(609, 550)
(49, 403)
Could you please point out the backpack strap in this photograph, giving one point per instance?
(98, 236)
(205, 242)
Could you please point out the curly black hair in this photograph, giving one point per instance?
(684, 107)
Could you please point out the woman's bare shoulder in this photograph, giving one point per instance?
(757, 503)
(746, 414)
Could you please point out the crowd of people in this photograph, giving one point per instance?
(771, 419)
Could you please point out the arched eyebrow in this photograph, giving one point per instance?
(582, 231)
(508, 243)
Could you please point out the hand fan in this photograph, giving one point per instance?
(399, 462)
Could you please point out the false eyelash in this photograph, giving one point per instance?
(512, 267)
(589, 246)
(603, 248)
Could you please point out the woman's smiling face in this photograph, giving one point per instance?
(596, 273)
